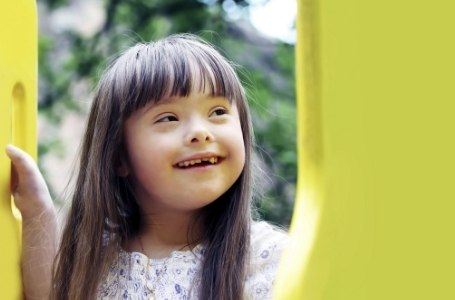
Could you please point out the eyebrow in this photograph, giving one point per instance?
(172, 100)
(168, 100)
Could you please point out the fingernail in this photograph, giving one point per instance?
(10, 149)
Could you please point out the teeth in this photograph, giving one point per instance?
(212, 160)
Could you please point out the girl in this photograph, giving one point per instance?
(162, 201)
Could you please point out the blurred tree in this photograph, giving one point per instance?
(267, 72)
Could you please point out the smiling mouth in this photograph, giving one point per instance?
(201, 165)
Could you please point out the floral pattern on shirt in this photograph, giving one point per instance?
(135, 276)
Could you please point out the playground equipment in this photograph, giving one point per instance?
(18, 111)
(375, 200)
(375, 196)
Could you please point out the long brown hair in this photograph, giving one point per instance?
(104, 213)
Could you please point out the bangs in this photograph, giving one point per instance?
(173, 67)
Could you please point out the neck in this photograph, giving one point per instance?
(162, 233)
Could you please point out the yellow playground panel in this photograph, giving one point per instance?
(374, 214)
(18, 110)
(375, 196)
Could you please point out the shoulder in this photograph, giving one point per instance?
(265, 233)
(267, 244)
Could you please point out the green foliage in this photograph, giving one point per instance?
(53, 4)
(266, 69)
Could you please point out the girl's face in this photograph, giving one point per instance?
(159, 137)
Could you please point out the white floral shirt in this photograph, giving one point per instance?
(177, 276)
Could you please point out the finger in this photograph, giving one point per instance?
(23, 162)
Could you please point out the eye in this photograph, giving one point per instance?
(166, 117)
(220, 111)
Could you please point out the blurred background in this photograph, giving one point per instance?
(76, 38)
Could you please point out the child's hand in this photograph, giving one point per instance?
(28, 187)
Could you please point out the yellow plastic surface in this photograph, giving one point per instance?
(374, 213)
(18, 114)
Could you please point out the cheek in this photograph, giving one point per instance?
(238, 150)
(150, 155)
(242, 157)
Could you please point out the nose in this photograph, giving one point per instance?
(198, 132)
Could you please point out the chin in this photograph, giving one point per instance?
(197, 203)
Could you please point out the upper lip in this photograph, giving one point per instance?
(199, 155)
